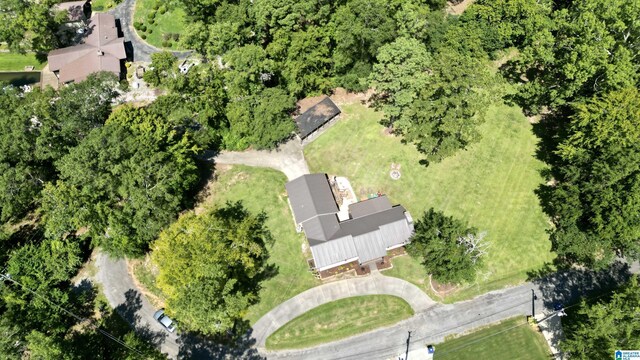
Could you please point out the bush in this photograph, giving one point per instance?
(136, 25)
(176, 37)
(156, 6)
(150, 31)
(151, 16)
(143, 27)
(162, 10)
(165, 43)
(143, 36)
(169, 44)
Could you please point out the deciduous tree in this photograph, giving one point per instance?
(600, 328)
(211, 267)
(448, 250)
(596, 201)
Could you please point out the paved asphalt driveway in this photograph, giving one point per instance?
(141, 49)
(287, 158)
(120, 291)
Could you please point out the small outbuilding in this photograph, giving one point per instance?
(317, 118)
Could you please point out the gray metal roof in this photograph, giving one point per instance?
(316, 116)
(332, 252)
(374, 227)
(310, 196)
(321, 228)
(371, 206)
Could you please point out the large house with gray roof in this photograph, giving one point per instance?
(374, 226)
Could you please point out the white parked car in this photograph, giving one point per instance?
(164, 320)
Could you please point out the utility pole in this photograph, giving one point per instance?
(406, 355)
(534, 297)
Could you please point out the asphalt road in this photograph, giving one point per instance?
(432, 325)
(120, 291)
(428, 326)
(141, 50)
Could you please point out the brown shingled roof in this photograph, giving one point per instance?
(101, 50)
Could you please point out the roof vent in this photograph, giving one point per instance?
(100, 53)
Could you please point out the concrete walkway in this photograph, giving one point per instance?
(551, 329)
(287, 158)
(374, 284)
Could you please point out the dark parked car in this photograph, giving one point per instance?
(164, 320)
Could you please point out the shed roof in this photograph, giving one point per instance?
(316, 116)
(101, 50)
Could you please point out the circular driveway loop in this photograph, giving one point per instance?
(374, 284)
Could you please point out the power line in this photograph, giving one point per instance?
(420, 339)
(77, 317)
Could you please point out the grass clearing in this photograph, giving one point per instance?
(17, 62)
(102, 5)
(173, 21)
(491, 186)
(339, 319)
(263, 189)
(512, 339)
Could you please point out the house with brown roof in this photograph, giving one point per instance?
(374, 226)
(100, 50)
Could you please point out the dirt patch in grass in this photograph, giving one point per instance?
(144, 273)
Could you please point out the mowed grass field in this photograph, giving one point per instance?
(17, 62)
(171, 22)
(512, 339)
(262, 189)
(339, 319)
(491, 186)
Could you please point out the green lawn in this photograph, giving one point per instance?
(102, 5)
(17, 62)
(263, 189)
(512, 339)
(171, 22)
(491, 186)
(339, 319)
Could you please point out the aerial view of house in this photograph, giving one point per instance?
(320, 180)
(363, 234)
(100, 50)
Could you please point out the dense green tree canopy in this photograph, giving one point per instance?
(40, 127)
(28, 25)
(448, 250)
(596, 201)
(595, 50)
(211, 267)
(436, 101)
(600, 328)
(124, 182)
